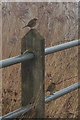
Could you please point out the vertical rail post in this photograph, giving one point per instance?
(32, 72)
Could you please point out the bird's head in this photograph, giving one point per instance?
(54, 84)
(35, 19)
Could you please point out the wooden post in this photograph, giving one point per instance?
(32, 72)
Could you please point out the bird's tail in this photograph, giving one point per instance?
(25, 26)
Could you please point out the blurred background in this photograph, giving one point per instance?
(57, 23)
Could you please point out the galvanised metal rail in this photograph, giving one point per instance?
(62, 92)
(60, 47)
(49, 98)
(17, 112)
(28, 56)
(16, 59)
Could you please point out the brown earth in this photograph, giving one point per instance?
(58, 23)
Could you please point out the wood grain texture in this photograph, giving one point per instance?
(33, 72)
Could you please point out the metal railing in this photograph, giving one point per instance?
(62, 92)
(28, 56)
(60, 47)
(16, 59)
(17, 112)
(49, 98)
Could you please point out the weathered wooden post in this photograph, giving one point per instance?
(33, 72)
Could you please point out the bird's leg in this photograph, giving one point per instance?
(31, 28)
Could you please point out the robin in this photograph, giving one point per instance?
(51, 88)
(31, 23)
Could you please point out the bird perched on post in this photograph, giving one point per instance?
(31, 23)
(51, 88)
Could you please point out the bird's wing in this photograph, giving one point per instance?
(30, 22)
(49, 87)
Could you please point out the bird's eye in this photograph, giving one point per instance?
(35, 19)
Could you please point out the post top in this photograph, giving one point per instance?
(33, 33)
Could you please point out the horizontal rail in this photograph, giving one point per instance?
(49, 98)
(60, 47)
(17, 112)
(62, 92)
(16, 59)
(28, 56)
